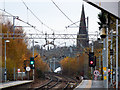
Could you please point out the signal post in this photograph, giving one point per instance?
(92, 61)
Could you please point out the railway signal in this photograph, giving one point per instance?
(32, 66)
(92, 59)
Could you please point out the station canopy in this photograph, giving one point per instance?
(110, 6)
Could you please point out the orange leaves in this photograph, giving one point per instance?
(16, 49)
(72, 65)
(39, 64)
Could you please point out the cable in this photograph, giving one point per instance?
(6, 12)
(4, 5)
(63, 13)
(16, 17)
(27, 16)
(72, 24)
(29, 25)
(37, 17)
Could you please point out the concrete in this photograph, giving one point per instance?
(84, 84)
(14, 83)
(90, 84)
(97, 84)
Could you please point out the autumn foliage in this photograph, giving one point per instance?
(17, 52)
(40, 67)
(73, 65)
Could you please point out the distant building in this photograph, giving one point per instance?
(82, 30)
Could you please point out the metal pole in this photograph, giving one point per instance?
(116, 54)
(92, 47)
(14, 73)
(104, 67)
(41, 51)
(28, 75)
(99, 63)
(92, 69)
(107, 58)
(33, 64)
(13, 26)
(87, 27)
(50, 65)
(22, 73)
(111, 58)
(33, 47)
(54, 63)
(5, 64)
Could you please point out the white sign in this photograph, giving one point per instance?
(108, 70)
(96, 73)
(18, 70)
(111, 6)
(28, 69)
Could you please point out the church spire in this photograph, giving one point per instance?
(82, 30)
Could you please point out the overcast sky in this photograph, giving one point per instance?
(46, 11)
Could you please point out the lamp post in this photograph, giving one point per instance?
(5, 73)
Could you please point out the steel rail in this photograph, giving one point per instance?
(48, 83)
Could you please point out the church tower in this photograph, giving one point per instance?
(82, 40)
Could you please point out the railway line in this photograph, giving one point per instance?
(57, 81)
(50, 84)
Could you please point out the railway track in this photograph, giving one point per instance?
(71, 83)
(57, 81)
(50, 84)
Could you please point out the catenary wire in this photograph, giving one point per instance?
(37, 17)
(62, 12)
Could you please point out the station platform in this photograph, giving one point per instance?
(13, 83)
(91, 84)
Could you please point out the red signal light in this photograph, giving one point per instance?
(91, 62)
